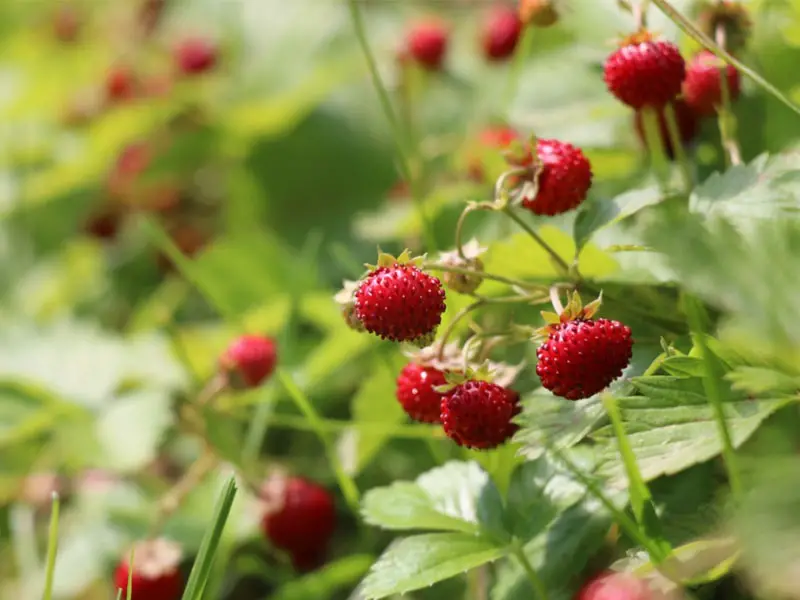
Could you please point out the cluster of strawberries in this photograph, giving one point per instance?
(298, 516)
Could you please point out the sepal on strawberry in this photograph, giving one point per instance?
(572, 311)
(346, 301)
(482, 372)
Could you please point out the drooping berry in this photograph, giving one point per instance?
(728, 15)
(416, 393)
(477, 414)
(501, 31)
(400, 303)
(427, 42)
(299, 517)
(645, 72)
(121, 84)
(539, 13)
(564, 180)
(196, 55)
(702, 88)
(156, 574)
(687, 122)
(615, 586)
(249, 360)
(581, 357)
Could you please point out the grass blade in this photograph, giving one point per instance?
(208, 547)
(52, 548)
(346, 484)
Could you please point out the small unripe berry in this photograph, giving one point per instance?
(728, 15)
(248, 361)
(539, 13)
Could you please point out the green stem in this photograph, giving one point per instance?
(460, 226)
(456, 320)
(725, 117)
(536, 583)
(499, 278)
(52, 548)
(711, 384)
(677, 146)
(692, 31)
(655, 145)
(560, 262)
(404, 152)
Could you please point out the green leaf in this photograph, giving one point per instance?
(760, 380)
(422, 560)
(557, 554)
(457, 496)
(322, 583)
(671, 426)
(131, 429)
(547, 419)
(375, 402)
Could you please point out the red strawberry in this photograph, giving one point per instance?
(104, 224)
(564, 181)
(615, 586)
(120, 84)
(416, 394)
(426, 43)
(477, 414)
(702, 88)
(581, 356)
(304, 561)
(501, 32)
(300, 517)
(155, 571)
(249, 360)
(399, 302)
(645, 72)
(687, 126)
(196, 55)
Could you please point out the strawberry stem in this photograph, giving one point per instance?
(560, 262)
(556, 300)
(677, 146)
(491, 276)
(460, 225)
(725, 116)
(655, 145)
(536, 583)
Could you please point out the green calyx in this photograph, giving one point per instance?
(483, 372)
(388, 260)
(572, 311)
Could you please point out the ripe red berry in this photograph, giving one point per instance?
(564, 181)
(477, 414)
(120, 84)
(501, 32)
(645, 72)
(300, 516)
(581, 357)
(685, 118)
(155, 571)
(400, 303)
(249, 360)
(196, 55)
(426, 43)
(416, 394)
(702, 88)
(615, 586)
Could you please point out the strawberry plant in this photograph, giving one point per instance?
(367, 299)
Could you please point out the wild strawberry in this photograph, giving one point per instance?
(615, 586)
(702, 88)
(249, 360)
(399, 302)
(477, 414)
(426, 44)
(416, 393)
(104, 224)
(564, 179)
(121, 84)
(156, 574)
(196, 55)
(685, 118)
(582, 355)
(539, 13)
(645, 71)
(299, 516)
(501, 32)
(304, 561)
